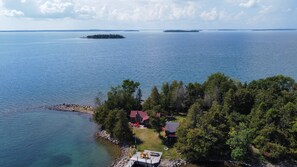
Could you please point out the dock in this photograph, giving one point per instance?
(146, 158)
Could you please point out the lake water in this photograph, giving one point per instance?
(41, 68)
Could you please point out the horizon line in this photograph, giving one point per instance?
(136, 30)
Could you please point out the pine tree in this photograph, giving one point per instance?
(110, 121)
(155, 97)
(121, 130)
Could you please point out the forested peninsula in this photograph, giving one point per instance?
(220, 119)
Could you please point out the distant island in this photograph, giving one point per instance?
(80, 30)
(104, 36)
(181, 30)
(288, 29)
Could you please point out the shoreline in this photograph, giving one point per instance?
(121, 156)
(125, 150)
(72, 108)
(119, 160)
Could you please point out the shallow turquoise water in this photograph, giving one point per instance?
(39, 69)
(48, 138)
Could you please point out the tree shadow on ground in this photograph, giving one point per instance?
(137, 140)
(167, 142)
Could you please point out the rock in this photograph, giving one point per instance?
(71, 108)
(172, 163)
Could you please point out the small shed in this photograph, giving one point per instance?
(170, 129)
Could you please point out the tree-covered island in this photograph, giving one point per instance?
(181, 30)
(104, 36)
(220, 119)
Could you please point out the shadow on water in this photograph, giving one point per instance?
(60, 160)
(112, 149)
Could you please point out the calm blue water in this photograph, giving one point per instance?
(49, 68)
(50, 139)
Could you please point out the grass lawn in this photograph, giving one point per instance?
(177, 118)
(150, 140)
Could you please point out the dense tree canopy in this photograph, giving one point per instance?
(225, 119)
(121, 129)
(113, 113)
(123, 96)
(229, 119)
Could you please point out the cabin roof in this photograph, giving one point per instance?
(171, 126)
(142, 114)
(133, 114)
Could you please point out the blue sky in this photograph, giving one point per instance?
(147, 14)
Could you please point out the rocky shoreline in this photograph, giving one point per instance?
(173, 163)
(127, 151)
(72, 108)
(106, 136)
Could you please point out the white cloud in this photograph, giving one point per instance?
(249, 3)
(266, 9)
(230, 17)
(150, 10)
(85, 12)
(55, 6)
(209, 15)
(149, 13)
(244, 3)
(121, 10)
(10, 13)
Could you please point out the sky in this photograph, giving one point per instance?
(146, 14)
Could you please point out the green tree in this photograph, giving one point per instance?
(122, 96)
(110, 120)
(156, 121)
(217, 120)
(199, 144)
(100, 114)
(130, 86)
(177, 97)
(194, 92)
(272, 136)
(165, 98)
(194, 115)
(243, 102)
(203, 135)
(155, 96)
(153, 100)
(239, 141)
(121, 130)
(216, 86)
(276, 84)
(138, 99)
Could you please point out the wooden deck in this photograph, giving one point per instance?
(151, 161)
